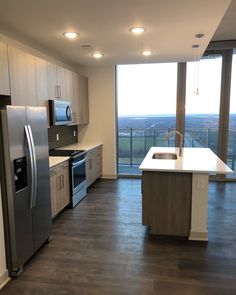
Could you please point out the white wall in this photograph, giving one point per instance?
(102, 116)
(3, 271)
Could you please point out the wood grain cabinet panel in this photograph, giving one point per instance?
(42, 84)
(22, 68)
(83, 101)
(166, 202)
(4, 71)
(93, 165)
(60, 187)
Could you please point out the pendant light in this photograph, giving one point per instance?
(197, 64)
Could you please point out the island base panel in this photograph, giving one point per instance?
(166, 202)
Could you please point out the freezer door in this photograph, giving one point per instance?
(42, 218)
(16, 200)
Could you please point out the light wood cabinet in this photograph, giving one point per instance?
(4, 72)
(166, 202)
(22, 69)
(93, 164)
(60, 187)
(42, 84)
(59, 82)
(83, 101)
(75, 97)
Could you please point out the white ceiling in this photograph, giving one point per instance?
(227, 28)
(170, 27)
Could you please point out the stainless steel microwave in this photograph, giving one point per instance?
(60, 112)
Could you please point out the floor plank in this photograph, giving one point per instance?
(100, 247)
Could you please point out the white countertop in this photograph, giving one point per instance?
(80, 146)
(53, 161)
(195, 160)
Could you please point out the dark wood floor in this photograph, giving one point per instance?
(101, 247)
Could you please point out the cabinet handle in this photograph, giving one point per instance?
(56, 92)
(90, 164)
(60, 91)
(62, 181)
(59, 182)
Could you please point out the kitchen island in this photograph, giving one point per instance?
(175, 191)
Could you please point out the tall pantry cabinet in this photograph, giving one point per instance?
(22, 77)
(4, 72)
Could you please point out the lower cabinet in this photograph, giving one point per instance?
(93, 164)
(60, 187)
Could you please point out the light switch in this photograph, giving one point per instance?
(74, 133)
(57, 137)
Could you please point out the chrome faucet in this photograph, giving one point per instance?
(181, 138)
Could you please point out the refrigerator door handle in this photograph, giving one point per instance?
(31, 166)
(35, 164)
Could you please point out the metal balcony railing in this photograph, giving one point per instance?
(134, 143)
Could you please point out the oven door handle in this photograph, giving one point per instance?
(78, 163)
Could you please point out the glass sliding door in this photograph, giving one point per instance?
(231, 152)
(146, 104)
(202, 108)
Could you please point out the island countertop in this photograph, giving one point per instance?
(194, 160)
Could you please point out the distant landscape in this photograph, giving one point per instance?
(199, 121)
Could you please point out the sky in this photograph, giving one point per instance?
(150, 89)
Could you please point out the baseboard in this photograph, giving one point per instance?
(108, 177)
(198, 236)
(4, 279)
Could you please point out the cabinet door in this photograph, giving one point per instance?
(42, 83)
(98, 162)
(55, 190)
(23, 77)
(53, 89)
(68, 85)
(75, 96)
(61, 78)
(83, 103)
(4, 73)
(89, 169)
(65, 186)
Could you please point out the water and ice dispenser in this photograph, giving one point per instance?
(20, 173)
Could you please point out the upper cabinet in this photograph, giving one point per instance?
(22, 77)
(42, 84)
(32, 81)
(83, 101)
(4, 73)
(59, 82)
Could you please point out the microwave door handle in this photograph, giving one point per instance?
(35, 164)
(68, 113)
(31, 166)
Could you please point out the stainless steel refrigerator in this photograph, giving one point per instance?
(25, 183)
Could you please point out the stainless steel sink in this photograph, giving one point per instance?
(164, 156)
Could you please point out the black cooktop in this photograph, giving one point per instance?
(65, 153)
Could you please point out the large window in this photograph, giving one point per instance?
(146, 110)
(203, 102)
(231, 153)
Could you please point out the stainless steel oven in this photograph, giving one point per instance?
(78, 178)
(77, 173)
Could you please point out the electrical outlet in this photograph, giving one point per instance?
(74, 133)
(57, 137)
(201, 184)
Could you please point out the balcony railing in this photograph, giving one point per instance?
(134, 143)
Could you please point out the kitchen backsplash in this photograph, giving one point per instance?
(62, 135)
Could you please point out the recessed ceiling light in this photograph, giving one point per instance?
(146, 52)
(71, 35)
(137, 30)
(97, 55)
